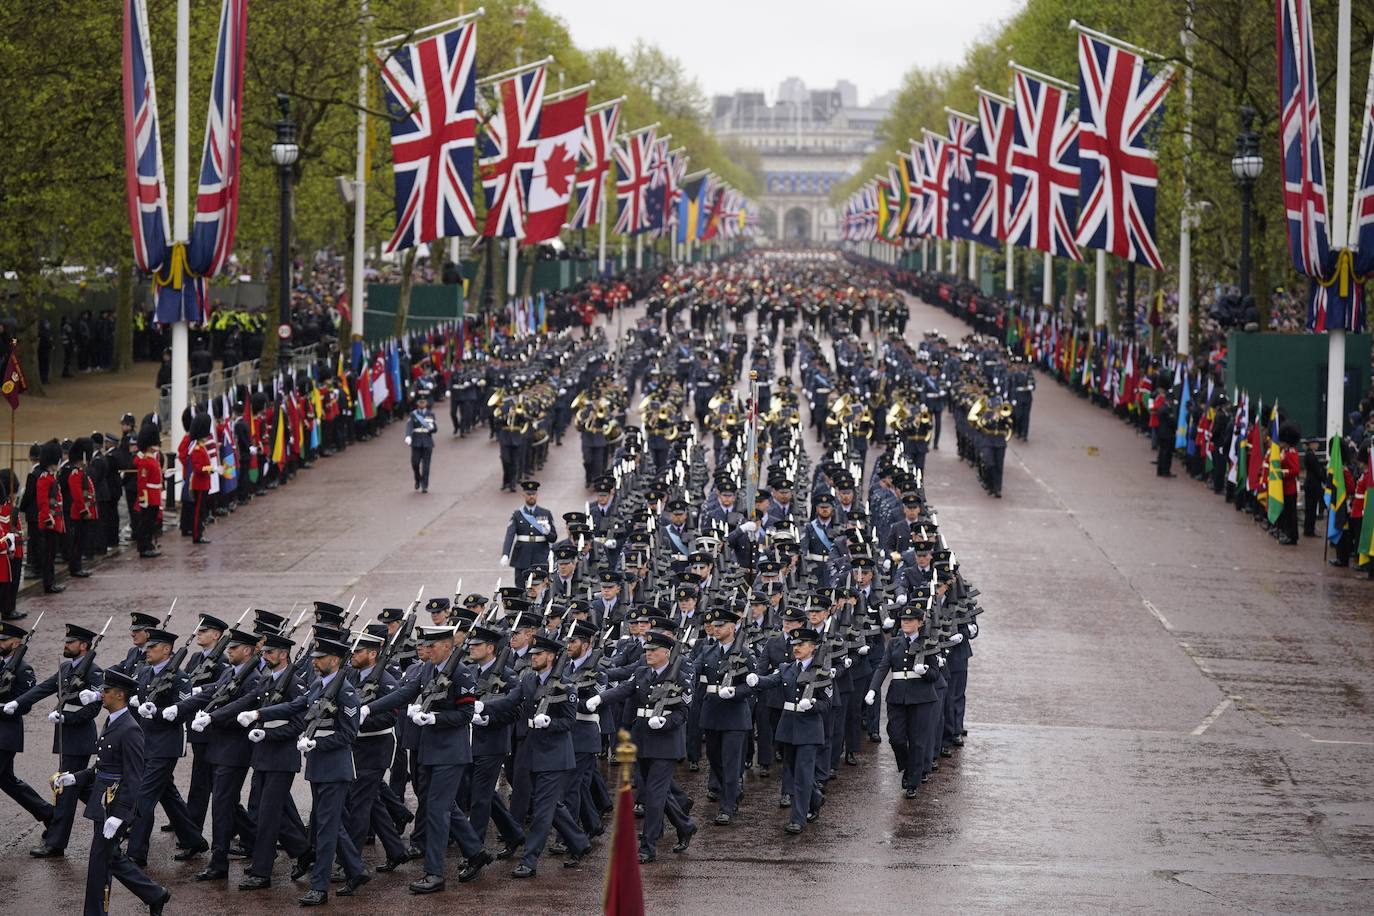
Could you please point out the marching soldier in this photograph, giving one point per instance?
(16, 679)
(529, 534)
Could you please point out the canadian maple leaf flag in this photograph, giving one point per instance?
(555, 167)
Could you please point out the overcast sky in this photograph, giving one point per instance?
(755, 44)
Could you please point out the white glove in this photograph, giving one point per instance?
(88, 696)
(973, 629)
(363, 712)
(593, 702)
(147, 710)
(55, 717)
(248, 718)
(63, 780)
(133, 701)
(540, 721)
(887, 565)
(412, 710)
(477, 707)
(11, 707)
(112, 827)
(610, 543)
(504, 561)
(170, 714)
(848, 661)
(200, 722)
(256, 734)
(305, 745)
(195, 691)
(407, 440)
(657, 722)
(870, 697)
(887, 623)
(423, 718)
(941, 660)
(749, 527)
(805, 704)
(899, 598)
(957, 638)
(751, 679)
(863, 650)
(920, 670)
(727, 693)
(480, 720)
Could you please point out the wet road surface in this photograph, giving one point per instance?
(1168, 712)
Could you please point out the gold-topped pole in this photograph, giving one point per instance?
(625, 756)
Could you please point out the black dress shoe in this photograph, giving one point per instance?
(474, 867)
(684, 839)
(935, 766)
(957, 741)
(82, 574)
(793, 827)
(646, 857)
(851, 758)
(875, 738)
(302, 866)
(155, 908)
(812, 816)
(211, 874)
(55, 590)
(722, 820)
(946, 752)
(18, 615)
(254, 883)
(693, 766)
(166, 828)
(352, 884)
(909, 793)
(639, 810)
(429, 884)
(415, 852)
(557, 848)
(712, 795)
(507, 851)
(785, 801)
(303, 903)
(240, 851)
(390, 865)
(336, 874)
(575, 859)
(522, 871)
(191, 852)
(314, 898)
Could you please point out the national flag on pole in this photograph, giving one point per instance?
(1181, 428)
(1120, 105)
(659, 190)
(555, 166)
(633, 160)
(710, 226)
(1275, 466)
(910, 167)
(992, 178)
(899, 199)
(965, 148)
(14, 383)
(690, 207)
(217, 200)
(1365, 547)
(145, 182)
(1337, 510)
(935, 186)
(598, 136)
(1044, 168)
(508, 143)
(1362, 209)
(431, 98)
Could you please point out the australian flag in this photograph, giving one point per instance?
(965, 146)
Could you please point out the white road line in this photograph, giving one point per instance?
(1212, 716)
(1335, 741)
(1158, 614)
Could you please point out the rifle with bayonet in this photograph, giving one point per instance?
(668, 692)
(16, 660)
(167, 679)
(203, 672)
(78, 680)
(554, 689)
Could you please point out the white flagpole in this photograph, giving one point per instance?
(1011, 267)
(512, 254)
(1100, 289)
(1185, 218)
(1047, 294)
(181, 180)
(972, 261)
(639, 251)
(360, 194)
(1340, 227)
(601, 230)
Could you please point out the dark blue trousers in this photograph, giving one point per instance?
(331, 840)
(801, 760)
(954, 705)
(21, 791)
(485, 805)
(159, 787)
(106, 860)
(224, 812)
(274, 795)
(441, 794)
(365, 808)
(725, 753)
(59, 831)
(548, 811)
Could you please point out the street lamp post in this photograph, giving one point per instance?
(1246, 166)
(284, 154)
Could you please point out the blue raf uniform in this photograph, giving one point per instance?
(912, 704)
(806, 701)
(15, 681)
(529, 535)
(281, 696)
(726, 716)
(372, 754)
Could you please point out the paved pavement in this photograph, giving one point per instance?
(1168, 712)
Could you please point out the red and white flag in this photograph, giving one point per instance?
(555, 167)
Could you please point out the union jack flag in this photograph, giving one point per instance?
(1119, 107)
(1362, 210)
(217, 196)
(146, 184)
(599, 129)
(431, 97)
(935, 186)
(993, 170)
(915, 184)
(1044, 169)
(633, 163)
(656, 201)
(508, 146)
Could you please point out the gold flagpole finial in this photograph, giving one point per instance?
(625, 755)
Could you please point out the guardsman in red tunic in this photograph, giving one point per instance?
(52, 522)
(82, 510)
(201, 466)
(147, 518)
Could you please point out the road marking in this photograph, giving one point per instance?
(1212, 716)
(1335, 741)
(1159, 615)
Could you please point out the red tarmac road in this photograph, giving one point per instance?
(1168, 712)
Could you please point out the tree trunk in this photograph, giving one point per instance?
(124, 316)
(527, 282)
(478, 285)
(403, 300)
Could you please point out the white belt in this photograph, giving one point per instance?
(380, 734)
(904, 675)
(275, 723)
(527, 538)
(713, 688)
(72, 707)
(789, 707)
(703, 679)
(816, 558)
(324, 733)
(589, 717)
(644, 712)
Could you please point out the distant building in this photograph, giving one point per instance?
(809, 141)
